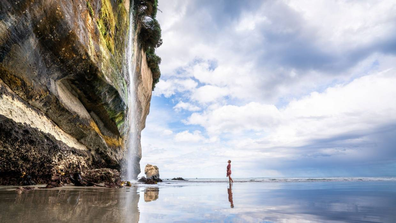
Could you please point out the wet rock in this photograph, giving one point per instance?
(28, 181)
(178, 178)
(54, 184)
(56, 181)
(29, 156)
(142, 180)
(148, 180)
(77, 180)
(151, 181)
(110, 177)
(152, 173)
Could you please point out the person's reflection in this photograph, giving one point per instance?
(230, 195)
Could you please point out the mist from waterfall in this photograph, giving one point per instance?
(132, 118)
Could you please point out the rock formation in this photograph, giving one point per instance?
(152, 172)
(63, 90)
(152, 175)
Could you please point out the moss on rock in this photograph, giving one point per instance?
(149, 33)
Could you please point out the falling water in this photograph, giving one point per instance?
(132, 143)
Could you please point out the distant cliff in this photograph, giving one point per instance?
(63, 89)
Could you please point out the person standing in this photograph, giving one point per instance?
(229, 172)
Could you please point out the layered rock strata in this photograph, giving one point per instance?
(63, 91)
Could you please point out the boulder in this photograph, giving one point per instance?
(142, 180)
(110, 177)
(152, 172)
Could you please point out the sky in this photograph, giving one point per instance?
(292, 88)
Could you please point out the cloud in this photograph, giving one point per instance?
(208, 93)
(171, 87)
(267, 47)
(230, 118)
(364, 104)
(280, 87)
(186, 136)
(185, 106)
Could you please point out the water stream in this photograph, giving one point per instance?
(132, 118)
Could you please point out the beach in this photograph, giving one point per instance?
(319, 200)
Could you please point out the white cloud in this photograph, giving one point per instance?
(209, 93)
(170, 87)
(230, 118)
(185, 106)
(365, 104)
(186, 136)
(167, 132)
(354, 24)
(284, 82)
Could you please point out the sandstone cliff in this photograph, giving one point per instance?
(63, 89)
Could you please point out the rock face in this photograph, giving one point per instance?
(152, 173)
(63, 91)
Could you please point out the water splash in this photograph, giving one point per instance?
(132, 118)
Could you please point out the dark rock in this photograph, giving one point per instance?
(28, 181)
(110, 177)
(29, 156)
(142, 180)
(77, 180)
(150, 181)
(178, 178)
(54, 184)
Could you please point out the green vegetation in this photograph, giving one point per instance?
(111, 19)
(153, 61)
(149, 34)
(106, 24)
(90, 9)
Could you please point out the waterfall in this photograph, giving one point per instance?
(132, 117)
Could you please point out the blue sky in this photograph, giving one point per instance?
(293, 88)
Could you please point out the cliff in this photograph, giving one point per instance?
(63, 87)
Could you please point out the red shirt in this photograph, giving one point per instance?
(229, 169)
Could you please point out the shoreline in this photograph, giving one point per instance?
(190, 181)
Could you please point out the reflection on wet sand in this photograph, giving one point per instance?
(229, 190)
(70, 205)
(198, 202)
(151, 194)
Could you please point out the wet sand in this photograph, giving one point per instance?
(372, 201)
